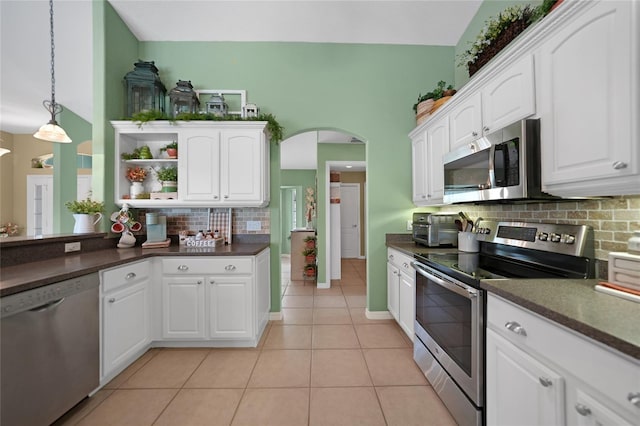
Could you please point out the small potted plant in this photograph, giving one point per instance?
(87, 213)
(136, 175)
(168, 176)
(310, 271)
(171, 149)
(429, 102)
(309, 255)
(310, 242)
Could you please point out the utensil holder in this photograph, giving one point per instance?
(468, 241)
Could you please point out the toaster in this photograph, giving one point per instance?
(435, 229)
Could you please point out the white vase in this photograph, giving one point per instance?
(85, 223)
(136, 189)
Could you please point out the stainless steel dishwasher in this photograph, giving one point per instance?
(50, 350)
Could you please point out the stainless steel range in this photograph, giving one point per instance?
(450, 305)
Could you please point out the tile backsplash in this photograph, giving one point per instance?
(194, 219)
(613, 219)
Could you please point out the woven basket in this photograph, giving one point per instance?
(424, 110)
(437, 104)
(497, 45)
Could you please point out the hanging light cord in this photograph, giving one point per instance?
(51, 105)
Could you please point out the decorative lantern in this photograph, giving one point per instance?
(183, 99)
(216, 105)
(144, 90)
(250, 110)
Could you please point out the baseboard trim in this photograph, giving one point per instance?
(275, 316)
(323, 285)
(378, 315)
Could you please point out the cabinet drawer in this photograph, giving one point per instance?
(401, 260)
(124, 275)
(609, 372)
(209, 265)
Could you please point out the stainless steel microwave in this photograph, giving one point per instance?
(504, 165)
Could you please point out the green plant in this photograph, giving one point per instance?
(167, 174)
(308, 252)
(276, 131)
(542, 10)
(172, 145)
(493, 28)
(436, 94)
(86, 206)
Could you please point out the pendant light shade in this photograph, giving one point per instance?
(4, 151)
(51, 131)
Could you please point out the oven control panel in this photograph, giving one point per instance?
(575, 240)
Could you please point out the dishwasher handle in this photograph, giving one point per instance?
(47, 306)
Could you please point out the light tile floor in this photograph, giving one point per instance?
(324, 363)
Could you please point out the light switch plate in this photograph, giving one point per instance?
(254, 225)
(409, 225)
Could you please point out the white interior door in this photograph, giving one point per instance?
(350, 220)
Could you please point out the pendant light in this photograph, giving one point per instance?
(51, 132)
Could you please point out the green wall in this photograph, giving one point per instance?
(488, 9)
(65, 171)
(115, 50)
(367, 90)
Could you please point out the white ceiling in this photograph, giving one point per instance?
(24, 37)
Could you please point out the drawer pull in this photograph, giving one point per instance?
(112, 300)
(183, 268)
(516, 328)
(405, 265)
(199, 282)
(212, 282)
(634, 398)
(619, 165)
(474, 133)
(130, 276)
(390, 257)
(583, 410)
(230, 268)
(545, 382)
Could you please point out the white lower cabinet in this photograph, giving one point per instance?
(230, 301)
(125, 316)
(222, 298)
(401, 290)
(183, 304)
(524, 390)
(540, 373)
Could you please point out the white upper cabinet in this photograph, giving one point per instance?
(219, 163)
(243, 166)
(509, 96)
(590, 103)
(198, 150)
(465, 121)
(429, 144)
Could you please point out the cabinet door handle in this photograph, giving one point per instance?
(545, 382)
(619, 165)
(199, 282)
(230, 268)
(474, 133)
(516, 328)
(183, 268)
(226, 196)
(212, 282)
(112, 300)
(583, 410)
(485, 128)
(215, 197)
(634, 398)
(405, 265)
(390, 257)
(130, 276)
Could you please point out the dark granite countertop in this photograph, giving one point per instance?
(576, 305)
(25, 276)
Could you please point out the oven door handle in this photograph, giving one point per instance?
(461, 289)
